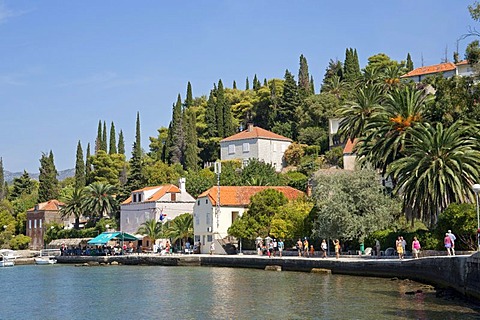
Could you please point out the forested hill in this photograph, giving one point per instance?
(9, 176)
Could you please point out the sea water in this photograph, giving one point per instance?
(155, 292)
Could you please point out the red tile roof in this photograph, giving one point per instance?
(162, 190)
(50, 205)
(463, 62)
(238, 196)
(255, 132)
(349, 146)
(442, 67)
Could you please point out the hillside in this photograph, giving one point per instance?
(63, 174)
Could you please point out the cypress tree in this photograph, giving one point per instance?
(210, 117)
(285, 116)
(219, 109)
(98, 140)
(104, 137)
(88, 166)
(49, 188)
(409, 63)
(2, 181)
(312, 85)
(121, 143)
(177, 146)
(189, 98)
(303, 78)
(351, 66)
(135, 179)
(357, 71)
(79, 168)
(5, 190)
(234, 85)
(227, 120)
(247, 84)
(113, 144)
(191, 148)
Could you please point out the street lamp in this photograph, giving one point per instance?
(476, 189)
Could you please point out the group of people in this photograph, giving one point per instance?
(401, 243)
(449, 242)
(270, 248)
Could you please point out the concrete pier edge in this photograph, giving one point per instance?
(460, 273)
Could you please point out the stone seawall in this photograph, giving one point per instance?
(461, 273)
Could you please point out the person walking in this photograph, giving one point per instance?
(447, 241)
(377, 248)
(281, 245)
(399, 247)
(324, 248)
(299, 247)
(336, 244)
(453, 238)
(305, 247)
(415, 247)
(275, 247)
(212, 248)
(404, 245)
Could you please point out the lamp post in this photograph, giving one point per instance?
(476, 189)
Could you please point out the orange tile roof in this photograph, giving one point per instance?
(162, 190)
(237, 196)
(349, 146)
(437, 68)
(255, 132)
(463, 62)
(50, 205)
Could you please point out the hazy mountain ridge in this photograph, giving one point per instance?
(63, 174)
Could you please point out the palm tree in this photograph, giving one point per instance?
(439, 167)
(99, 200)
(74, 206)
(181, 228)
(152, 229)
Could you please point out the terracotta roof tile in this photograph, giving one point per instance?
(237, 196)
(349, 146)
(50, 205)
(162, 190)
(461, 63)
(255, 132)
(437, 68)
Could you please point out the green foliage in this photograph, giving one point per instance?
(474, 10)
(472, 52)
(351, 66)
(21, 186)
(294, 154)
(152, 229)
(310, 164)
(462, 220)
(296, 180)
(181, 228)
(107, 167)
(121, 143)
(79, 167)
(20, 242)
(2, 181)
(304, 88)
(158, 173)
(113, 143)
(292, 220)
(200, 181)
(74, 205)
(49, 187)
(258, 173)
(334, 157)
(230, 175)
(99, 201)
(191, 148)
(409, 64)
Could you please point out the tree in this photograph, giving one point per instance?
(334, 69)
(158, 145)
(22, 185)
(437, 169)
(210, 117)
(409, 64)
(88, 166)
(200, 181)
(121, 143)
(181, 228)
(2, 181)
(136, 179)
(177, 147)
(104, 137)
(113, 144)
(350, 205)
(472, 52)
(191, 147)
(234, 86)
(351, 66)
(219, 109)
(74, 205)
(256, 83)
(107, 168)
(259, 173)
(152, 229)
(462, 218)
(49, 187)
(98, 140)
(189, 96)
(285, 119)
(292, 220)
(79, 168)
(304, 88)
(247, 84)
(99, 201)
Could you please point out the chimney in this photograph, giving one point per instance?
(250, 127)
(181, 185)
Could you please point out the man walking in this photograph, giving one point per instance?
(453, 238)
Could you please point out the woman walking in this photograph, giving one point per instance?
(336, 244)
(399, 247)
(415, 247)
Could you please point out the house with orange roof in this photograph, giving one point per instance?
(38, 217)
(349, 155)
(447, 69)
(211, 225)
(255, 143)
(162, 203)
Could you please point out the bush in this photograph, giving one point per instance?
(296, 180)
(20, 242)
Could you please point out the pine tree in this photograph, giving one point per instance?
(219, 106)
(21, 185)
(210, 117)
(247, 84)
(88, 166)
(177, 146)
(113, 144)
(191, 148)
(285, 121)
(98, 140)
(121, 143)
(265, 82)
(303, 78)
(189, 98)
(409, 63)
(49, 187)
(2, 181)
(104, 137)
(234, 85)
(136, 179)
(79, 168)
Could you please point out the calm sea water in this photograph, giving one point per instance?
(140, 292)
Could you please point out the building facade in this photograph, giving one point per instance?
(447, 70)
(255, 143)
(165, 202)
(39, 217)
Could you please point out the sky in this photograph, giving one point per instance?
(65, 65)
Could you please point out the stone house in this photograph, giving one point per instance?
(38, 217)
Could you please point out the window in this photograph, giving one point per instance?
(40, 223)
(134, 197)
(234, 215)
(206, 201)
(198, 202)
(231, 148)
(173, 197)
(35, 224)
(246, 147)
(209, 238)
(139, 197)
(29, 224)
(197, 238)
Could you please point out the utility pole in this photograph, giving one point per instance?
(218, 171)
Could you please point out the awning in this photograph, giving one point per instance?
(107, 236)
(68, 242)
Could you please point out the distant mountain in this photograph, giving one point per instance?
(62, 175)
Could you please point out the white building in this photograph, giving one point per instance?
(234, 200)
(255, 143)
(152, 202)
(447, 69)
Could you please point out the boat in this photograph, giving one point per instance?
(7, 258)
(47, 256)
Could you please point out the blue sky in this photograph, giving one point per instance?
(67, 64)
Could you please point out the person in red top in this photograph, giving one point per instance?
(448, 244)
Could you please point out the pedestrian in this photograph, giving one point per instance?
(447, 241)
(415, 247)
(312, 251)
(404, 245)
(275, 247)
(453, 238)
(281, 245)
(299, 247)
(377, 248)
(305, 247)
(167, 247)
(399, 247)
(212, 248)
(324, 248)
(336, 244)
(259, 247)
(270, 249)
